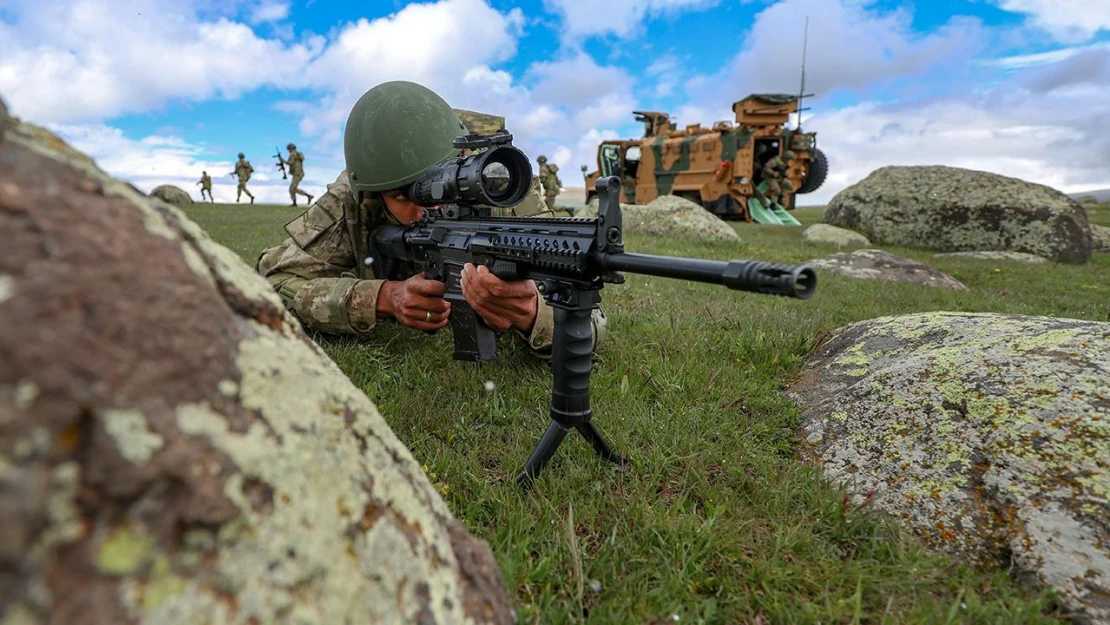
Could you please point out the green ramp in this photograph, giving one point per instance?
(760, 214)
(786, 218)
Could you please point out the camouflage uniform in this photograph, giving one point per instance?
(773, 175)
(243, 170)
(551, 182)
(296, 169)
(205, 186)
(321, 275)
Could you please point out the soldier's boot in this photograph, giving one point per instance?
(310, 200)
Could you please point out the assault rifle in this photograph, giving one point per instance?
(281, 163)
(570, 259)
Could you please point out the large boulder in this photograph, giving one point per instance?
(988, 434)
(1100, 238)
(174, 449)
(871, 264)
(948, 209)
(669, 216)
(171, 194)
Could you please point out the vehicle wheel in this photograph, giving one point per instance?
(818, 170)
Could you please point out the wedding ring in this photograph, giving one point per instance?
(428, 316)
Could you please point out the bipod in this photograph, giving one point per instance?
(571, 361)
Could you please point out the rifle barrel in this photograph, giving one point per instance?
(741, 275)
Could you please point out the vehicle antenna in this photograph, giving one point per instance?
(802, 90)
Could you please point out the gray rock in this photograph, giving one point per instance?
(669, 216)
(172, 195)
(1100, 238)
(1017, 257)
(948, 209)
(175, 449)
(872, 264)
(987, 434)
(824, 233)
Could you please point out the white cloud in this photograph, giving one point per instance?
(270, 11)
(1072, 21)
(851, 47)
(158, 159)
(423, 43)
(1006, 132)
(1024, 61)
(619, 17)
(576, 81)
(665, 72)
(87, 60)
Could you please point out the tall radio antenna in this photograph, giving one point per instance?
(802, 90)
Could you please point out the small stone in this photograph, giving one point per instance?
(595, 585)
(489, 385)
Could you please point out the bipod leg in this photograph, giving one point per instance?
(598, 442)
(571, 362)
(542, 454)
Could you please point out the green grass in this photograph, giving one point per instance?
(716, 521)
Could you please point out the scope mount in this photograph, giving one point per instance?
(478, 141)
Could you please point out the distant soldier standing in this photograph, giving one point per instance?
(550, 180)
(205, 186)
(243, 170)
(296, 169)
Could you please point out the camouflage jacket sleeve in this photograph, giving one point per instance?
(315, 271)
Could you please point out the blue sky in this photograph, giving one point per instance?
(158, 90)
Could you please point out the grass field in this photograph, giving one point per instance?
(716, 521)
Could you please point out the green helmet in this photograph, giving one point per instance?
(240, 155)
(788, 155)
(290, 147)
(541, 160)
(394, 133)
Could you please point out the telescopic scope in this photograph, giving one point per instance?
(499, 176)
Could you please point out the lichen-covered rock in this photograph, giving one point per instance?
(1100, 238)
(824, 233)
(174, 195)
(948, 209)
(988, 434)
(669, 216)
(174, 449)
(871, 264)
(1017, 257)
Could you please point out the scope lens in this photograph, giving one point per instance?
(496, 180)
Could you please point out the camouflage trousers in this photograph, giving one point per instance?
(295, 188)
(207, 190)
(243, 189)
(549, 200)
(778, 189)
(774, 189)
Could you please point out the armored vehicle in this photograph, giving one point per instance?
(720, 168)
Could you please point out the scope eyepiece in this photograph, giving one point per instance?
(499, 176)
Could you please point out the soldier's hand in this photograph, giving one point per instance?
(416, 303)
(501, 304)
